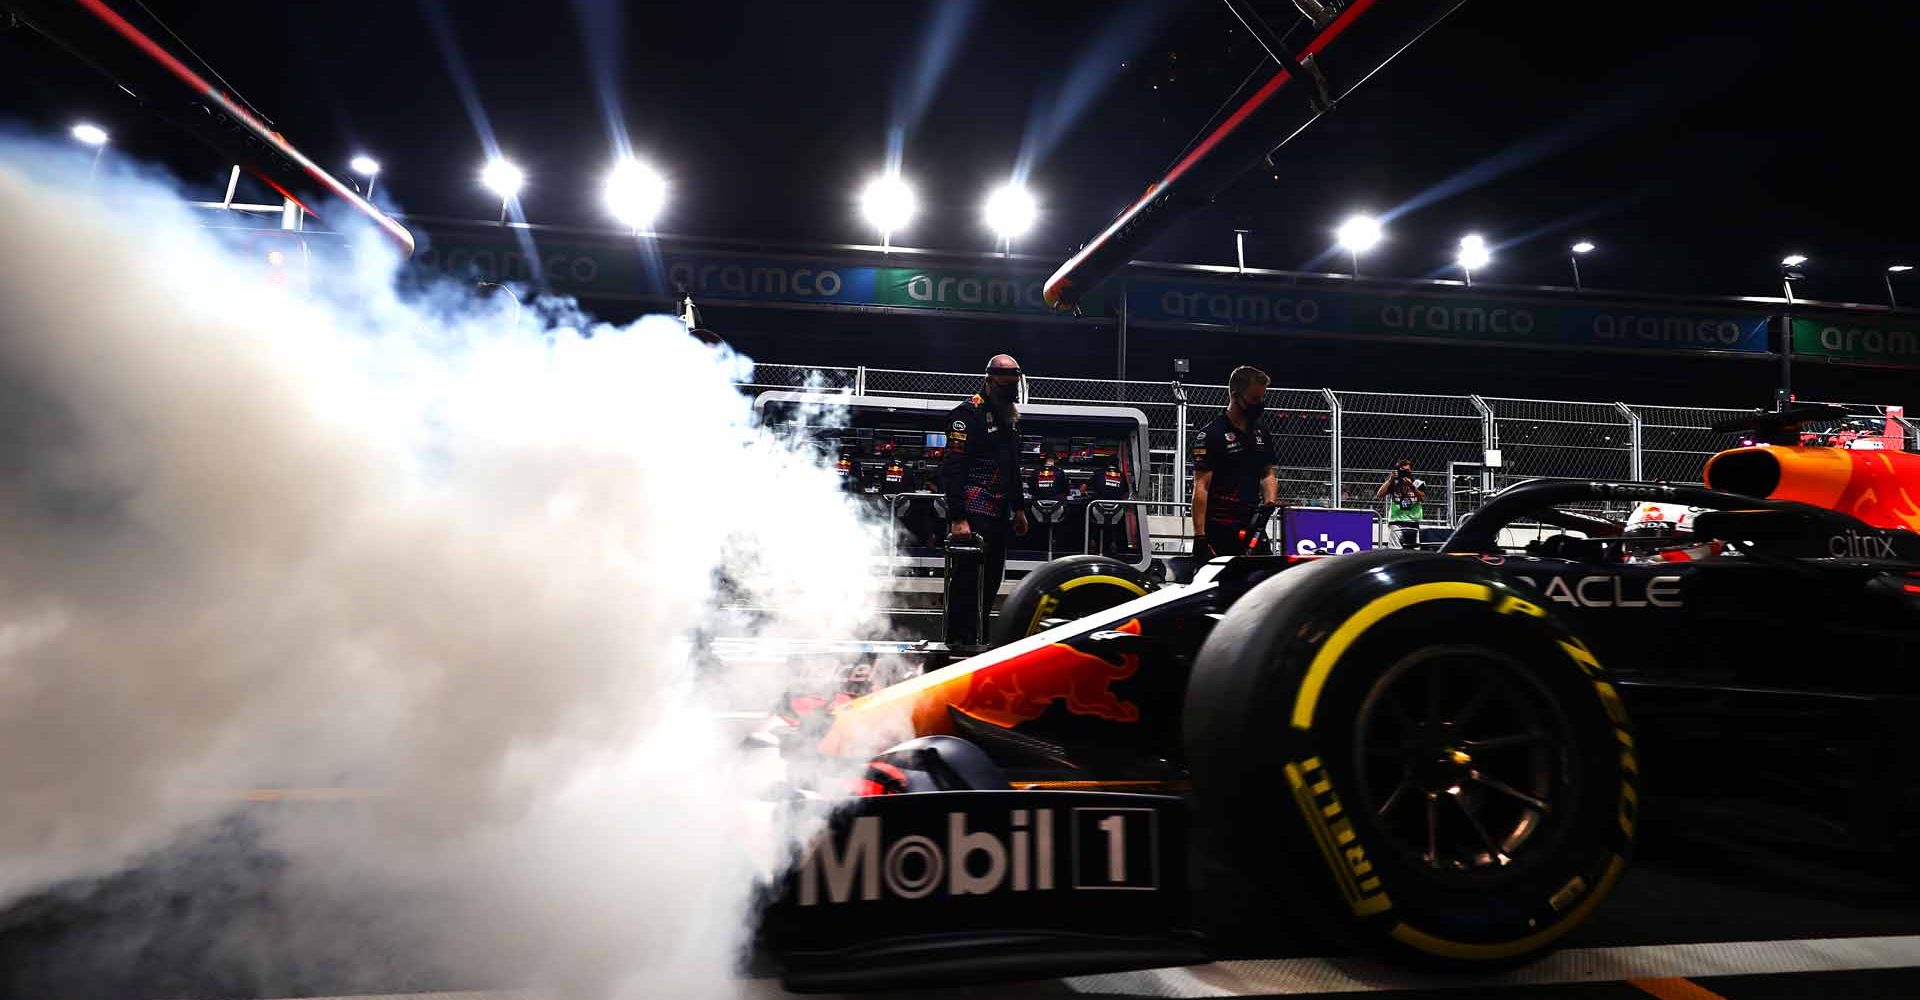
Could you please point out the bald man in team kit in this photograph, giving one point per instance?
(1233, 468)
(981, 478)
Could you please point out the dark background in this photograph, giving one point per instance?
(1695, 143)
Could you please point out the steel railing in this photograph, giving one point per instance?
(1335, 445)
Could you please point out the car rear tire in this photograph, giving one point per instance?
(1416, 750)
(1066, 589)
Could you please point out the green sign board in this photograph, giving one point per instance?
(969, 291)
(1892, 340)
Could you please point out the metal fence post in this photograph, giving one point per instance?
(860, 381)
(1179, 442)
(1334, 463)
(1453, 495)
(1489, 441)
(1636, 464)
(1912, 433)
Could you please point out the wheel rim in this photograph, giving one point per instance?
(1463, 759)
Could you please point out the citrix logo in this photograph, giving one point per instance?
(914, 866)
(1852, 543)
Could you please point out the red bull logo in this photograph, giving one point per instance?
(1019, 690)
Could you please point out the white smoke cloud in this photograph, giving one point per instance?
(347, 538)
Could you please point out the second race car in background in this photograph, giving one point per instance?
(1879, 432)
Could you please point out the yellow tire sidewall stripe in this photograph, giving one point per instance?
(1079, 581)
(1420, 940)
(1350, 630)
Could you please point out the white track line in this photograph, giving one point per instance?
(1296, 976)
(1293, 976)
(480, 995)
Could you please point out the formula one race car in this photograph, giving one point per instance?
(1424, 755)
(1866, 433)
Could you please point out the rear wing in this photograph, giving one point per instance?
(165, 85)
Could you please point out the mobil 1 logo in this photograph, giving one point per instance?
(988, 861)
(1017, 845)
(1116, 848)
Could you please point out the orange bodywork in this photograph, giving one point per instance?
(1005, 690)
(1881, 488)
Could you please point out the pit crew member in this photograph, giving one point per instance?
(1233, 467)
(980, 476)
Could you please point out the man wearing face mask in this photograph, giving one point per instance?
(981, 478)
(1233, 460)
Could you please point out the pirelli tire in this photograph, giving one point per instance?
(1066, 589)
(1420, 752)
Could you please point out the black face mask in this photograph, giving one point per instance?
(1003, 394)
(1252, 411)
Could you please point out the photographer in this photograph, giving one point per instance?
(1406, 498)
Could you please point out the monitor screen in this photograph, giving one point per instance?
(936, 439)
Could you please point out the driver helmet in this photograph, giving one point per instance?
(1662, 520)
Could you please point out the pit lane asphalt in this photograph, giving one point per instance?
(1691, 921)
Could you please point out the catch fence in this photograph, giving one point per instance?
(1335, 447)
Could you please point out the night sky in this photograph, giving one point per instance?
(1694, 142)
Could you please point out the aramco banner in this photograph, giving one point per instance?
(1270, 308)
(608, 270)
(1013, 289)
(599, 270)
(1892, 340)
(569, 267)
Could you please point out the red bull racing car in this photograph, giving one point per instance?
(1438, 757)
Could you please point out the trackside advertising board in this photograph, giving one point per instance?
(1261, 308)
(1326, 531)
(589, 269)
(1009, 290)
(1892, 340)
(565, 266)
